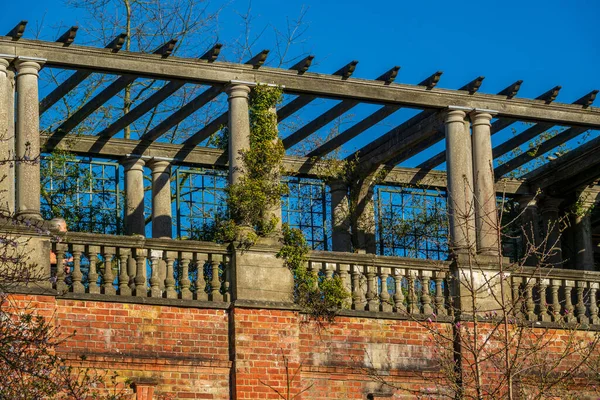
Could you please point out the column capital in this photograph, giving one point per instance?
(480, 118)
(234, 90)
(158, 165)
(28, 66)
(551, 204)
(528, 200)
(453, 115)
(4, 63)
(338, 185)
(133, 163)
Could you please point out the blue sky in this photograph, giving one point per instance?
(544, 43)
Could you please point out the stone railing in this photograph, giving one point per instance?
(556, 295)
(389, 284)
(135, 266)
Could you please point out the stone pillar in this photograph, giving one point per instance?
(28, 139)
(274, 210)
(134, 196)
(530, 224)
(363, 217)
(551, 219)
(239, 128)
(460, 182)
(486, 213)
(7, 192)
(162, 226)
(582, 231)
(341, 239)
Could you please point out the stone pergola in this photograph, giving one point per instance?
(465, 118)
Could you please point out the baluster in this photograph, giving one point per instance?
(200, 261)
(529, 304)
(61, 250)
(440, 309)
(372, 298)
(76, 275)
(186, 293)
(581, 307)
(170, 278)
(93, 274)
(215, 283)
(399, 295)
(344, 272)
(124, 289)
(155, 257)
(543, 307)
(386, 304)
(107, 275)
(358, 296)
(594, 303)
(569, 309)
(314, 268)
(226, 279)
(141, 290)
(556, 308)
(517, 296)
(411, 301)
(425, 297)
(131, 271)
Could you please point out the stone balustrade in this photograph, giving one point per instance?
(389, 284)
(135, 266)
(556, 295)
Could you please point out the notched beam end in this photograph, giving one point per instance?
(303, 65)
(17, 32)
(117, 43)
(550, 95)
(588, 99)
(258, 60)
(212, 54)
(165, 50)
(347, 70)
(473, 86)
(512, 90)
(68, 37)
(389, 76)
(431, 81)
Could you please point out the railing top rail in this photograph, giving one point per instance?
(557, 273)
(138, 241)
(377, 260)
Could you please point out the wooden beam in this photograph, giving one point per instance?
(569, 172)
(166, 49)
(258, 60)
(213, 53)
(320, 85)
(431, 81)
(17, 32)
(587, 100)
(347, 70)
(303, 65)
(95, 103)
(473, 86)
(543, 148)
(353, 131)
(512, 90)
(79, 76)
(68, 37)
(144, 107)
(113, 148)
(389, 76)
(318, 123)
(188, 109)
(550, 95)
(214, 126)
(293, 106)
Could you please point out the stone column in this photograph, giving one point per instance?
(341, 239)
(161, 199)
(551, 219)
(239, 128)
(274, 210)
(134, 196)
(486, 213)
(460, 182)
(530, 223)
(28, 139)
(7, 192)
(363, 217)
(582, 228)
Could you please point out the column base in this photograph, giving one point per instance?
(29, 215)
